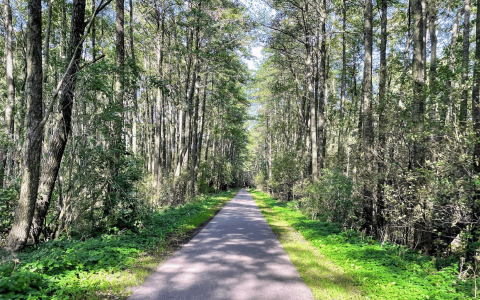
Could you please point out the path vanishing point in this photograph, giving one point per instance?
(236, 256)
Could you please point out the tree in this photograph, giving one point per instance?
(476, 111)
(465, 63)
(32, 148)
(367, 117)
(9, 121)
(382, 99)
(58, 140)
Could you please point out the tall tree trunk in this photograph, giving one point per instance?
(382, 120)
(340, 150)
(32, 146)
(193, 164)
(476, 112)
(465, 63)
(432, 16)
(9, 120)
(59, 138)
(134, 90)
(47, 41)
(94, 34)
(322, 95)
(117, 124)
(418, 116)
(119, 56)
(432, 115)
(409, 39)
(425, 38)
(368, 135)
(418, 107)
(313, 114)
(158, 128)
(200, 137)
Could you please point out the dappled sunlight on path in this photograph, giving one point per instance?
(236, 256)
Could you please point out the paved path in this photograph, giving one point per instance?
(236, 256)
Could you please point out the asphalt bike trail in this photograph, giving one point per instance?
(236, 256)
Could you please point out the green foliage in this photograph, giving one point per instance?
(328, 199)
(285, 173)
(109, 200)
(204, 182)
(8, 202)
(260, 181)
(74, 269)
(382, 270)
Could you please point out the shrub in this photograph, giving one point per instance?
(8, 202)
(329, 199)
(285, 173)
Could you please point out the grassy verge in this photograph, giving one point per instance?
(104, 267)
(325, 279)
(341, 264)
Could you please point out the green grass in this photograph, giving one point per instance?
(325, 279)
(104, 267)
(342, 264)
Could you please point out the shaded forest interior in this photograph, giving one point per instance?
(114, 110)
(363, 113)
(369, 116)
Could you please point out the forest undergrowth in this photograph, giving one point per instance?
(106, 266)
(380, 270)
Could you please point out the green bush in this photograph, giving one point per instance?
(8, 202)
(285, 173)
(260, 181)
(329, 199)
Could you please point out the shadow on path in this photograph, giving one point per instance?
(236, 256)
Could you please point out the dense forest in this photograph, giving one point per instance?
(368, 115)
(114, 109)
(363, 113)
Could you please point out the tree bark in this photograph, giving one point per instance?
(340, 150)
(59, 138)
(418, 107)
(159, 103)
(94, 34)
(382, 120)
(47, 41)
(119, 55)
(428, 205)
(368, 135)
(117, 144)
(475, 97)
(409, 39)
(476, 116)
(32, 146)
(134, 90)
(200, 136)
(465, 63)
(418, 117)
(9, 120)
(321, 141)
(432, 15)
(194, 140)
